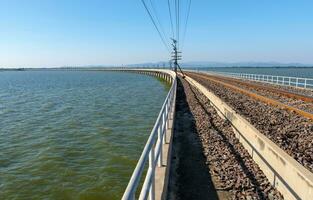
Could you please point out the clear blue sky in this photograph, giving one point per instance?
(46, 33)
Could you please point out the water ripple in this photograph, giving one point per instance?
(73, 135)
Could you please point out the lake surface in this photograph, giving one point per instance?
(277, 71)
(73, 135)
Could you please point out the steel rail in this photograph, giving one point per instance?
(152, 151)
(258, 97)
(268, 88)
(285, 173)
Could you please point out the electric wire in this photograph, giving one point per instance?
(175, 30)
(176, 17)
(170, 12)
(154, 10)
(155, 25)
(186, 23)
(178, 23)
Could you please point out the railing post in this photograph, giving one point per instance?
(297, 82)
(168, 113)
(160, 159)
(170, 105)
(163, 125)
(152, 168)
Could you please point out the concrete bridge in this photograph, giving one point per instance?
(285, 176)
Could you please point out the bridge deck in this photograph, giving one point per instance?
(229, 142)
(208, 161)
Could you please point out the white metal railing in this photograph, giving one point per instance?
(298, 82)
(153, 151)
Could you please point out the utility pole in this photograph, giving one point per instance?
(176, 56)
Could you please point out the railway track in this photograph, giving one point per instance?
(282, 92)
(300, 104)
(290, 131)
(291, 98)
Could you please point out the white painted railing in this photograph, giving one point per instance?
(298, 82)
(152, 151)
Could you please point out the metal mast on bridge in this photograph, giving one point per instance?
(176, 56)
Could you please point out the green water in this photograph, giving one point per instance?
(73, 135)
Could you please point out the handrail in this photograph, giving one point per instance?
(152, 150)
(298, 82)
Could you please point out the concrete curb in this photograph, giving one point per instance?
(289, 177)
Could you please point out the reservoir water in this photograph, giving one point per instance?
(73, 135)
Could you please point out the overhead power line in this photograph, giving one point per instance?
(155, 25)
(186, 23)
(178, 24)
(154, 10)
(176, 9)
(177, 20)
(170, 12)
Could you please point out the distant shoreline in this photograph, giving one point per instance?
(261, 67)
(187, 67)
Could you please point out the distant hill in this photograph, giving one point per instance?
(225, 64)
(245, 64)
